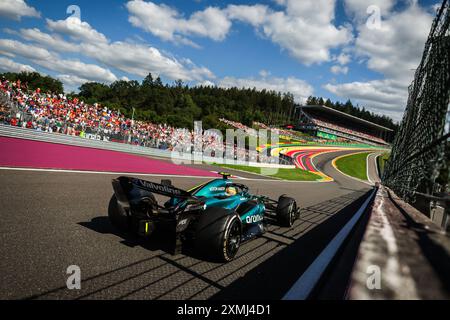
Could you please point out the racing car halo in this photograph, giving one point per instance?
(215, 217)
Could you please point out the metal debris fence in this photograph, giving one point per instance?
(419, 160)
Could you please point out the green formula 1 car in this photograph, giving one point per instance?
(215, 217)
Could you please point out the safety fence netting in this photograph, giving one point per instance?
(418, 166)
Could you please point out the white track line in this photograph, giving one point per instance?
(376, 166)
(375, 156)
(367, 168)
(145, 174)
(303, 287)
(103, 172)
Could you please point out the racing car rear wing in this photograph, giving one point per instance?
(123, 185)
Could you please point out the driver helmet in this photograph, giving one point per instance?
(231, 191)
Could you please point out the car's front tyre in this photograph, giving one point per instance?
(286, 211)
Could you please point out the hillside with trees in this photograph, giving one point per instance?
(179, 105)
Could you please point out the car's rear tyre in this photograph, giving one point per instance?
(218, 234)
(117, 215)
(286, 211)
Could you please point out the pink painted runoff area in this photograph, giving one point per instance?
(21, 153)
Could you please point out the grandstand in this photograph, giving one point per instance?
(56, 113)
(328, 123)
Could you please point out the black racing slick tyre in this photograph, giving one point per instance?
(286, 211)
(117, 215)
(218, 234)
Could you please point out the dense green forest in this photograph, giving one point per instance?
(179, 105)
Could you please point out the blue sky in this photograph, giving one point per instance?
(326, 48)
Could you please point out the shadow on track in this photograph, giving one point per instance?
(274, 277)
(265, 267)
(103, 225)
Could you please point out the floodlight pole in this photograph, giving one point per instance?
(132, 124)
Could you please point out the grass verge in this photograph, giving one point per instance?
(354, 165)
(282, 173)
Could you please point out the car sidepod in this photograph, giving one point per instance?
(251, 213)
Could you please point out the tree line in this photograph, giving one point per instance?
(180, 105)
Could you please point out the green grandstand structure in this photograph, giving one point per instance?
(330, 124)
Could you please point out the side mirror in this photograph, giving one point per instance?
(166, 182)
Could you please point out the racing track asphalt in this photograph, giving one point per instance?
(51, 220)
(372, 169)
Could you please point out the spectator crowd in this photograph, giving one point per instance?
(58, 113)
(325, 124)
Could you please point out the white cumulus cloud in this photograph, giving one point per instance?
(253, 14)
(53, 42)
(385, 96)
(358, 9)
(16, 9)
(305, 29)
(8, 65)
(54, 62)
(132, 58)
(71, 82)
(393, 50)
(168, 24)
(336, 69)
(77, 30)
(299, 88)
(343, 59)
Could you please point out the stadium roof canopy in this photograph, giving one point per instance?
(347, 116)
